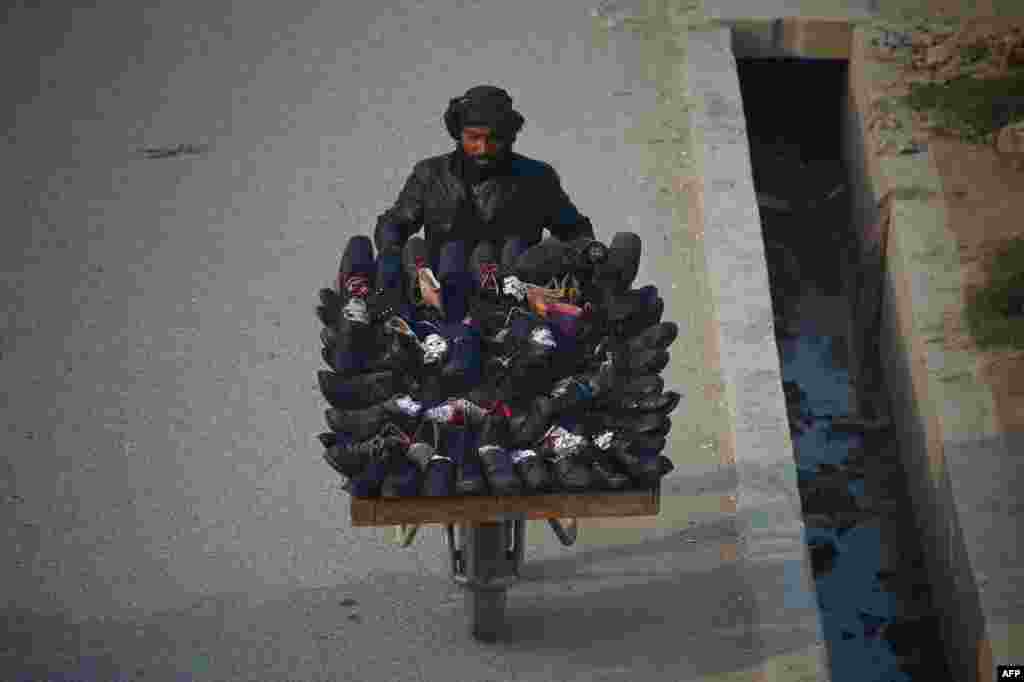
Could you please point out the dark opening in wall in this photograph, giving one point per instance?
(796, 99)
(794, 109)
(875, 598)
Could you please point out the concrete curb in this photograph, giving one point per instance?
(769, 518)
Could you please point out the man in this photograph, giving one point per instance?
(481, 191)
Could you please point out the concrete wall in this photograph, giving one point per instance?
(959, 466)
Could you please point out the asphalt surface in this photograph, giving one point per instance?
(167, 513)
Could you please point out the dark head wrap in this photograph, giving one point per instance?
(484, 105)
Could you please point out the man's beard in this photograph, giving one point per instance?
(478, 169)
(487, 161)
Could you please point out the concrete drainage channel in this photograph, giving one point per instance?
(873, 593)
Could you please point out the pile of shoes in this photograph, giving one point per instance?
(510, 370)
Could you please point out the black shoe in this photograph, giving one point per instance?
(436, 352)
(553, 259)
(353, 326)
(485, 269)
(628, 303)
(347, 457)
(629, 426)
(630, 440)
(329, 337)
(581, 391)
(511, 251)
(403, 477)
(469, 474)
(617, 273)
(534, 470)
(456, 281)
(485, 393)
(436, 468)
(606, 474)
(645, 345)
(644, 362)
(351, 458)
(647, 318)
(464, 367)
(494, 455)
(568, 454)
(382, 451)
(490, 303)
(388, 297)
(367, 422)
(530, 340)
(529, 426)
(644, 441)
(639, 386)
(491, 317)
(633, 312)
(656, 337)
(643, 465)
(399, 350)
(570, 394)
(329, 310)
(660, 403)
(395, 347)
(637, 422)
(456, 412)
(360, 391)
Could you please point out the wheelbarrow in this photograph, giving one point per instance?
(486, 535)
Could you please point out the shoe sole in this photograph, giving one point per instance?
(651, 362)
(348, 393)
(636, 423)
(656, 337)
(651, 384)
(661, 404)
(329, 336)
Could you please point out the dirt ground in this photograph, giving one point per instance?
(983, 189)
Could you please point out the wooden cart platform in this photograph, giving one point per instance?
(449, 510)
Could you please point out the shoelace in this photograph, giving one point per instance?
(357, 285)
(489, 277)
(512, 311)
(498, 407)
(392, 429)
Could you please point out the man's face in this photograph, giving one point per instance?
(481, 144)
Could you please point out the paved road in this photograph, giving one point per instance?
(165, 505)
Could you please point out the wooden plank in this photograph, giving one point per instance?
(391, 512)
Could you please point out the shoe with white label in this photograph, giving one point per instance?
(569, 456)
(365, 423)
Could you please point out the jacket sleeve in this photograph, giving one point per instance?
(405, 217)
(563, 220)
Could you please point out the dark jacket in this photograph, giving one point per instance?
(521, 201)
